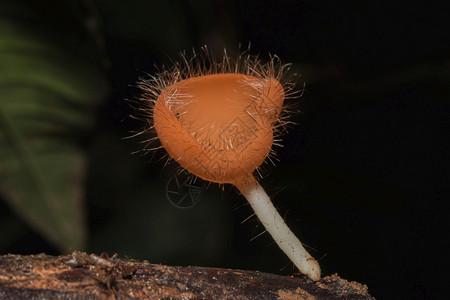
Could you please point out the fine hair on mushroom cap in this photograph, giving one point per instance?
(214, 134)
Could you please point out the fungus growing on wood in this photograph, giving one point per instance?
(218, 121)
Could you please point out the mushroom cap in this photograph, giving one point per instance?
(220, 126)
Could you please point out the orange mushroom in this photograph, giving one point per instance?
(218, 123)
(218, 126)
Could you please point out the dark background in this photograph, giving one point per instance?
(362, 178)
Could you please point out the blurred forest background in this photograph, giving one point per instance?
(362, 177)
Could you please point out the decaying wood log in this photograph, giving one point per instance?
(84, 276)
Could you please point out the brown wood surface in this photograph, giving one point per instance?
(84, 276)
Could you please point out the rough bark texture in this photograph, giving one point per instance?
(84, 276)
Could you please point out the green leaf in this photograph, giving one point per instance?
(48, 96)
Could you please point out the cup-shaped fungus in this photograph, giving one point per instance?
(218, 126)
(218, 123)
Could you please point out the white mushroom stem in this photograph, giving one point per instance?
(275, 225)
